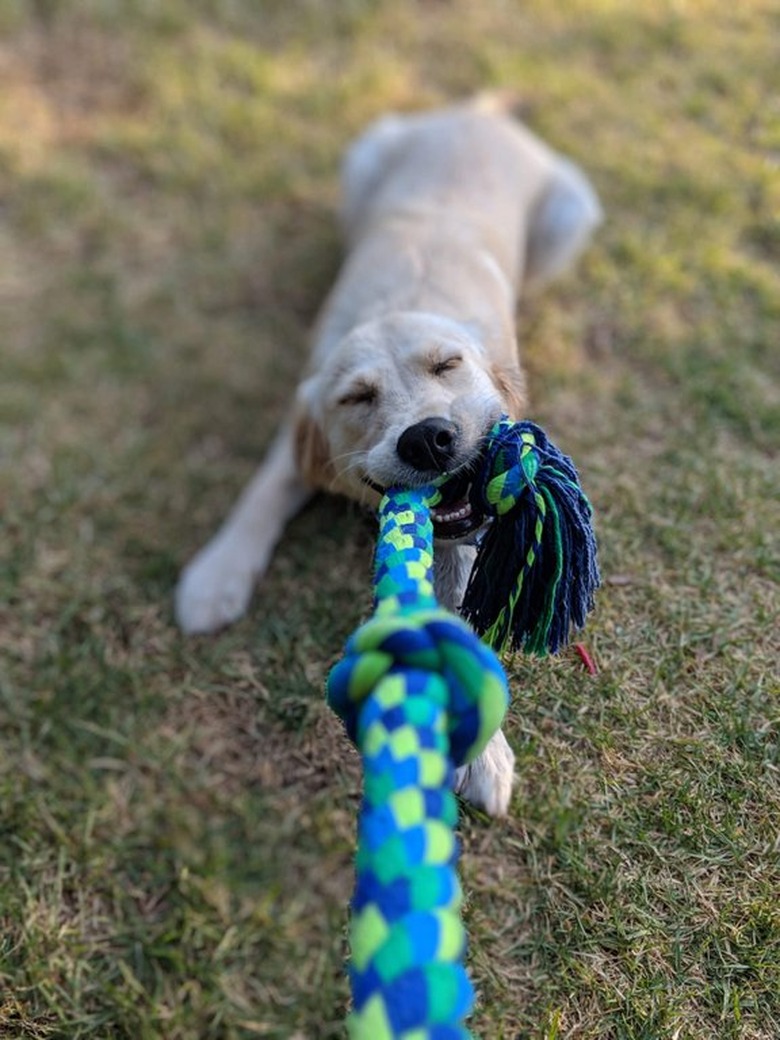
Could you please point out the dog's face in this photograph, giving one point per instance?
(401, 401)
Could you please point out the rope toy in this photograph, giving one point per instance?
(536, 570)
(419, 695)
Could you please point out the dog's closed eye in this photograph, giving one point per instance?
(443, 365)
(362, 393)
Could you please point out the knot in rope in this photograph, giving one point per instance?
(516, 453)
(441, 658)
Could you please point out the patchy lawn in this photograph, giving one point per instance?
(176, 815)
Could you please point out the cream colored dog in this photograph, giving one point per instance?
(448, 215)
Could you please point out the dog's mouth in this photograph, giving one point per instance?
(455, 516)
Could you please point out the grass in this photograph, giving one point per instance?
(176, 816)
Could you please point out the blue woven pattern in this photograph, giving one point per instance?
(418, 694)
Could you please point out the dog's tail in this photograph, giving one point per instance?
(565, 218)
(568, 210)
(500, 101)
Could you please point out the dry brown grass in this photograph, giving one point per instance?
(177, 817)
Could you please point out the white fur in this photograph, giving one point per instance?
(447, 214)
(217, 584)
(568, 214)
(487, 781)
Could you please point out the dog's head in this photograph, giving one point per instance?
(401, 401)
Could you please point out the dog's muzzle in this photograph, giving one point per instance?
(430, 445)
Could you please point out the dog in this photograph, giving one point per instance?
(448, 215)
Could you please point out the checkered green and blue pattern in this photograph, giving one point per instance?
(419, 694)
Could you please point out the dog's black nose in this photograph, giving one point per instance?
(429, 445)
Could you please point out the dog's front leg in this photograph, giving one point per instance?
(216, 586)
(452, 563)
(487, 781)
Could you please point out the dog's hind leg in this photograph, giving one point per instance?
(217, 584)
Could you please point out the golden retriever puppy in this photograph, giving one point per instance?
(448, 216)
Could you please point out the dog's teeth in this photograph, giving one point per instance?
(454, 514)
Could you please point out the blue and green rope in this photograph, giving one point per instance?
(420, 695)
(536, 570)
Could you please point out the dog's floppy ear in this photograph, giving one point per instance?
(510, 383)
(312, 452)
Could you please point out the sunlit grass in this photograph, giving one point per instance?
(176, 816)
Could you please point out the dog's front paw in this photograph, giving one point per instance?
(487, 781)
(214, 589)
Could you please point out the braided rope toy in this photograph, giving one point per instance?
(420, 694)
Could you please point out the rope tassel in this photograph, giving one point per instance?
(419, 694)
(536, 570)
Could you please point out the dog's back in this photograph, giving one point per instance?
(453, 212)
(472, 164)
